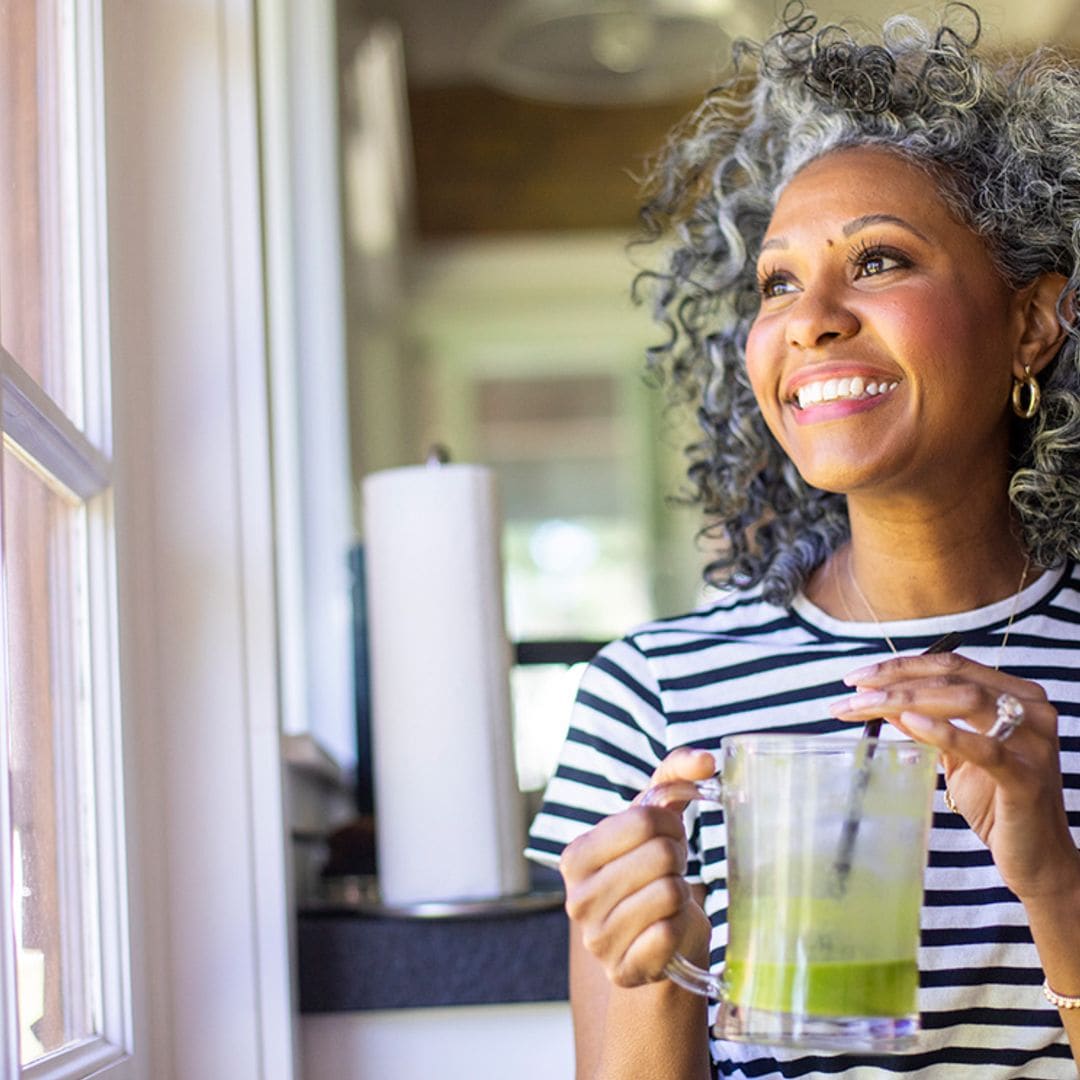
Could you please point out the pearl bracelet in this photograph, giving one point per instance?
(1060, 1000)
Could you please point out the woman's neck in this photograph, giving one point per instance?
(909, 565)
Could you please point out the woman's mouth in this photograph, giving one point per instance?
(854, 388)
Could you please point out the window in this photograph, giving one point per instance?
(63, 955)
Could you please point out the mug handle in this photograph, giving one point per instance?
(680, 970)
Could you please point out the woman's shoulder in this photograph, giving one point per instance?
(721, 616)
(1065, 593)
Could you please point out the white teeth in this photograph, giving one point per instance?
(841, 389)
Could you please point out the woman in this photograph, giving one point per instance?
(870, 294)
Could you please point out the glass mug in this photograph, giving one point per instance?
(826, 849)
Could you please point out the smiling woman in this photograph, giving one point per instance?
(869, 293)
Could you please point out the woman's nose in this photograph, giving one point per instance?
(819, 316)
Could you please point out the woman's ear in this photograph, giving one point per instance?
(1042, 332)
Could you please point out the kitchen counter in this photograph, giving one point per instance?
(364, 957)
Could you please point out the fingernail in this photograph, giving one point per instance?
(868, 699)
(852, 677)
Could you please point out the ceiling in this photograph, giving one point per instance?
(489, 161)
(440, 34)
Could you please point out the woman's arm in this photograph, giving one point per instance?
(655, 1030)
(1055, 928)
(630, 910)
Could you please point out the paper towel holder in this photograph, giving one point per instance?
(437, 455)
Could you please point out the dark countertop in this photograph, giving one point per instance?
(356, 960)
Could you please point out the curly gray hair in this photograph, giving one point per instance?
(1002, 142)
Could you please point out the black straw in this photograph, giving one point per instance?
(870, 732)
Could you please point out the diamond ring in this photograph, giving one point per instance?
(1010, 715)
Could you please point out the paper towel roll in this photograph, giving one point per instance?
(447, 810)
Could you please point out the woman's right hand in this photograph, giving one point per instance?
(625, 888)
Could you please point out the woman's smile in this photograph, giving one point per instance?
(837, 391)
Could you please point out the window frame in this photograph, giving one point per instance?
(38, 430)
(182, 280)
(198, 612)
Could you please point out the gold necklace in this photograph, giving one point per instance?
(889, 641)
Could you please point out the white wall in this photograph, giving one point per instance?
(491, 1042)
(209, 886)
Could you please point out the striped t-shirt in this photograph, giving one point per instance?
(743, 665)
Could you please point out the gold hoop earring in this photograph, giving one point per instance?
(1029, 383)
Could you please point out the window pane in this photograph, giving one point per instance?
(575, 541)
(574, 576)
(43, 555)
(20, 225)
(543, 696)
(38, 202)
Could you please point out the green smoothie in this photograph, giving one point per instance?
(871, 988)
(831, 953)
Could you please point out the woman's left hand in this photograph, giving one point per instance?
(1009, 789)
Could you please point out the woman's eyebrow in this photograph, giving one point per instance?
(854, 226)
(882, 219)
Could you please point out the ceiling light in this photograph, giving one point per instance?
(607, 52)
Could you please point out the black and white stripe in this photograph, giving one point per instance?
(744, 665)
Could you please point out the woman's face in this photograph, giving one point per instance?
(882, 354)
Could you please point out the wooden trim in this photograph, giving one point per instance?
(306, 309)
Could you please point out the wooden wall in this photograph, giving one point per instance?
(487, 162)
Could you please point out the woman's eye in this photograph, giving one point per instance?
(775, 285)
(878, 261)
